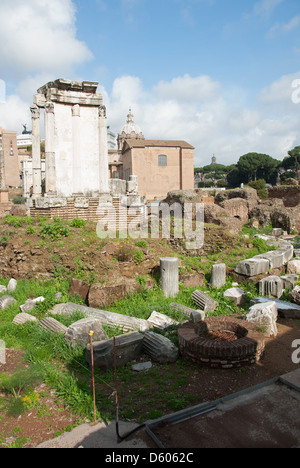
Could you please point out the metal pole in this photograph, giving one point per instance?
(93, 375)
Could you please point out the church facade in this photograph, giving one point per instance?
(161, 166)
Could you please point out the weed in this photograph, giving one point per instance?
(54, 231)
(142, 244)
(139, 256)
(5, 238)
(77, 223)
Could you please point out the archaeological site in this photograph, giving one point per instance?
(142, 303)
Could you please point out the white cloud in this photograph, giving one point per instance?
(285, 28)
(186, 88)
(39, 44)
(39, 36)
(266, 7)
(13, 113)
(201, 112)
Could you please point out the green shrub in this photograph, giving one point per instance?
(18, 200)
(260, 187)
(55, 231)
(142, 244)
(78, 223)
(139, 256)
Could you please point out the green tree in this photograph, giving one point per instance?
(253, 166)
(292, 161)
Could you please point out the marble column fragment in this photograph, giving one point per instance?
(36, 152)
(169, 276)
(77, 175)
(49, 149)
(103, 153)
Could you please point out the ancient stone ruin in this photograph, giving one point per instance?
(77, 183)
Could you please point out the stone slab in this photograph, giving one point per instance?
(292, 378)
(285, 309)
(236, 295)
(78, 332)
(110, 319)
(275, 258)
(127, 348)
(252, 267)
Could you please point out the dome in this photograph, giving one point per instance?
(130, 131)
(131, 127)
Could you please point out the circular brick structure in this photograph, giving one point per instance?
(221, 342)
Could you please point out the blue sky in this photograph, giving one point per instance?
(216, 73)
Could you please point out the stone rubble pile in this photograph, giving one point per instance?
(142, 337)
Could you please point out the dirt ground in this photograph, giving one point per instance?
(34, 427)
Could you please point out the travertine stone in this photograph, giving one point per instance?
(159, 348)
(294, 267)
(30, 304)
(158, 320)
(289, 281)
(110, 319)
(169, 271)
(204, 302)
(252, 267)
(276, 258)
(78, 332)
(294, 295)
(7, 301)
(192, 314)
(11, 287)
(51, 325)
(36, 152)
(218, 275)
(236, 295)
(285, 309)
(271, 287)
(23, 317)
(127, 348)
(264, 315)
